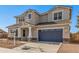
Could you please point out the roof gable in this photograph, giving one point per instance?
(28, 11)
(52, 9)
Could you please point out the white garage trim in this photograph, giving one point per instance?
(49, 28)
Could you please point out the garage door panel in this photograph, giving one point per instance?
(51, 35)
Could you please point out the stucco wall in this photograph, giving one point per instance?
(43, 18)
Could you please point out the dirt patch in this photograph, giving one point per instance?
(69, 48)
(9, 43)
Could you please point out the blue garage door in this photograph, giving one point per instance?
(51, 35)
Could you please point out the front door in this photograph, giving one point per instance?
(24, 33)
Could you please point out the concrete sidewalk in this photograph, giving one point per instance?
(5, 50)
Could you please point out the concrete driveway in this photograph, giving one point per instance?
(37, 47)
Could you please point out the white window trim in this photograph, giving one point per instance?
(57, 15)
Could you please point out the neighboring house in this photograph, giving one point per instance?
(51, 26)
(3, 34)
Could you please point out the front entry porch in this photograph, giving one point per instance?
(24, 33)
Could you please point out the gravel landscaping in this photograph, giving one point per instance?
(69, 48)
(5, 43)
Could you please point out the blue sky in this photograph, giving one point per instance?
(7, 13)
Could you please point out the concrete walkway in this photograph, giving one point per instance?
(35, 48)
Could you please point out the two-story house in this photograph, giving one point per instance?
(51, 26)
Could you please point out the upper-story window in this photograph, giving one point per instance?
(58, 16)
(55, 16)
(21, 20)
(29, 16)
